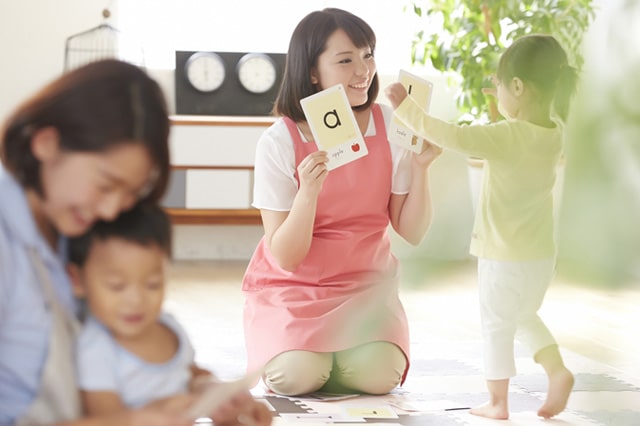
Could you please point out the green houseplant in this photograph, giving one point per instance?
(466, 37)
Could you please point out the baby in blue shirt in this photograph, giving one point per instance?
(129, 353)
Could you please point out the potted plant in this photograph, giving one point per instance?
(466, 38)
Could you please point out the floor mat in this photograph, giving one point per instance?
(439, 392)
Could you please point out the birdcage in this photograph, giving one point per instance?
(101, 42)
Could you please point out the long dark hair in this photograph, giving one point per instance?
(308, 42)
(93, 108)
(540, 60)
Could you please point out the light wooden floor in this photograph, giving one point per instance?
(594, 326)
(441, 301)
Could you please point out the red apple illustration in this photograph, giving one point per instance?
(355, 147)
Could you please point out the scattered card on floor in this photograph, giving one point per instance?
(370, 411)
(321, 418)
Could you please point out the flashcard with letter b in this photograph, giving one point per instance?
(333, 126)
(420, 90)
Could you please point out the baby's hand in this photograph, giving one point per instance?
(242, 410)
(396, 94)
(147, 416)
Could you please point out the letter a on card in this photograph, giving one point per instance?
(333, 126)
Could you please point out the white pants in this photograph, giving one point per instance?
(373, 368)
(510, 295)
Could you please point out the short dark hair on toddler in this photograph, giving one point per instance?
(146, 224)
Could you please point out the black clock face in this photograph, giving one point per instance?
(206, 90)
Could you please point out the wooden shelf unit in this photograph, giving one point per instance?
(215, 216)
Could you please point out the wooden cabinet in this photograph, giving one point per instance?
(212, 161)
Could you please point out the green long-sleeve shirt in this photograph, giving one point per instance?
(514, 219)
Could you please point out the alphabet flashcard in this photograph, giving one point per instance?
(420, 90)
(333, 126)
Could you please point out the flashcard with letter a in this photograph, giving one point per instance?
(420, 90)
(333, 126)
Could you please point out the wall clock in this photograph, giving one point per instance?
(256, 72)
(227, 83)
(205, 71)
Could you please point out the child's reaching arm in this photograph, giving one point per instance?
(484, 141)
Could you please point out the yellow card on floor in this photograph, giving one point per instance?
(370, 411)
(333, 126)
(420, 90)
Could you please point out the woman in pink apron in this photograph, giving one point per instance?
(322, 309)
(89, 145)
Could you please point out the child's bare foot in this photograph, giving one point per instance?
(497, 407)
(560, 385)
(492, 411)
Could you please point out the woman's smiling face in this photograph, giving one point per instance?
(344, 63)
(82, 187)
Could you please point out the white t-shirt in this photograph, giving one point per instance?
(103, 365)
(275, 185)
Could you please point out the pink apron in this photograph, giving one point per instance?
(345, 292)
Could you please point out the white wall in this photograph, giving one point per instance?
(33, 35)
(32, 42)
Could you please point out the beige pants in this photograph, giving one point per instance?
(374, 368)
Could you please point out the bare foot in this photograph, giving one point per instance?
(491, 411)
(560, 385)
